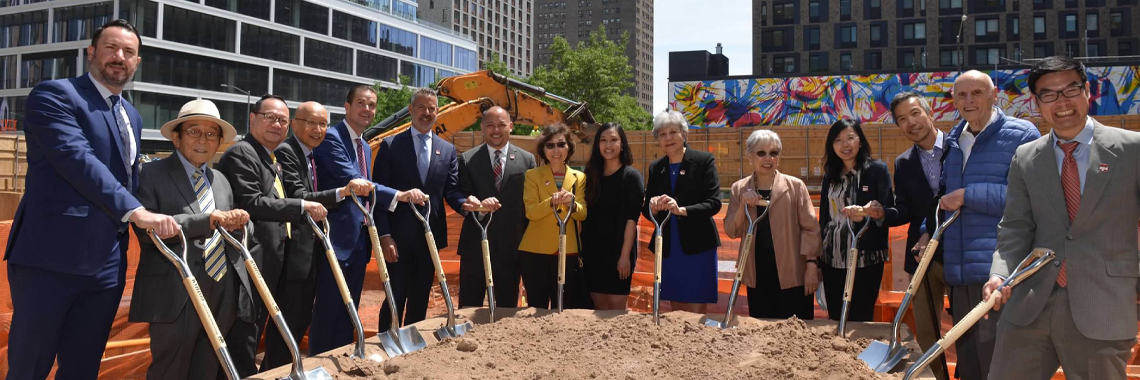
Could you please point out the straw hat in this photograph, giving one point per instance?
(200, 109)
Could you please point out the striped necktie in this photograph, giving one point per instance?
(280, 191)
(215, 259)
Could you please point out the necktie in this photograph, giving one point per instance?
(313, 170)
(498, 169)
(215, 259)
(422, 158)
(280, 190)
(1071, 182)
(363, 165)
(124, 136)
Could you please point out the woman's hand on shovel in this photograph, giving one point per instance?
(988, 291)
(811, 278)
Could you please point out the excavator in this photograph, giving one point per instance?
(475, 92)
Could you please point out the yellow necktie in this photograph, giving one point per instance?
(280, 193)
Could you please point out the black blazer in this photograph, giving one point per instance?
(298, 183)
(914, 203)
(874, 184)
(698, 191)
(395, 166)
(250, 170)
(477, 177)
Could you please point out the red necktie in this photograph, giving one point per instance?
(1071, 182)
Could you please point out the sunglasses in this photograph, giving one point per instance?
(773, 154)
(551, 145)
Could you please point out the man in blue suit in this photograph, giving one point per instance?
(67, 252)
(436, 172)
(341, 158)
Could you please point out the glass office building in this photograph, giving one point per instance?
(302, 50)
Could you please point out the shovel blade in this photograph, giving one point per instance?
(403, 341)
(893, 359)
(712, 322)
(454, 331)
(317, 374)
(875, 354)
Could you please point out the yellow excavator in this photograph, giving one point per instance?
(475, 92)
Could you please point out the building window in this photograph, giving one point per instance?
(914, 31)
(10, 73)
(356, 29)
(950, 5)
(466, 59)
(293, 85)
(987, 56)
(845, 61)
(906, 59)
(328, 56)
(874, 9)
(817, 62)
(1124, 48)
(196, 71)
(397, 40)
(1042, 4)
(776, 40)
(1043, 50)
(813, 11)
(986, 30)
(23, 29)
(784, 13)
(1014, 22)
(252, 8)
(421, 75)
(1070, 23)
(784, 65)
(79, 22)
(876, 34)
(813, 38)
(948, 58)
(376, 66)
(1119, 23)
(1091, 22)
(302, 14)
(38, 67)
(143, 14)
(198, 29)
(847, 38)
(1093, 49)
(874, 60)
(1072, 49)
(269, 44)
(1038, 27)
(435, 51)
(845, 10)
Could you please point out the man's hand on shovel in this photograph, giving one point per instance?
(388, 246)
(988, 291)
(163, 225)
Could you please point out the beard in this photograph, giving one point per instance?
(104, 73)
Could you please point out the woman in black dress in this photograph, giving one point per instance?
(609, 239)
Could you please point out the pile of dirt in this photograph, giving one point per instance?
(628, 346)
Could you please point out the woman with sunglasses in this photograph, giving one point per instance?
(684, 182)
(552, 184)
(853, 183)
(614, 191)
(783, 272)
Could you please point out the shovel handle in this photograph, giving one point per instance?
(262, 288)
(743, 259)
(657, 259)
(561, 259)
(435, 258)
(849, 284)
(969, 320)
(487, 263)
(334, 264)
(376, 251)
(204, 313)
(923, 264)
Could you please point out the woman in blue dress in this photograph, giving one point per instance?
(684, 182)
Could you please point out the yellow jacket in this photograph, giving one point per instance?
(541, 234)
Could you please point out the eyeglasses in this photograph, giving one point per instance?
(195, 134)
(310, 123)
(773, 154)
(551, 145)
(272, 118)
(1047, 96)
(850, 140)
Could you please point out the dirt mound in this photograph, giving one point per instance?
(628, 346)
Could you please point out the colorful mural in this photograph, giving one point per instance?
(823, 100)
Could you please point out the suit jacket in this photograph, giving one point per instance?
(541, 234)
(396, 167)
(76, 181)
(915, 202)
(336, 165)
(477, 177)
(698, 191)
(1099, 247)
(159, 296)
(250, 171)
(795, 231)
(297, 180)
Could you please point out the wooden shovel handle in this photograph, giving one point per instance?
(334, 264)
(487, 264)
(262, 288)
(923, 264)
(435, 257)
(204, 313)
(849, 284)
(378, 253)
(561, 259)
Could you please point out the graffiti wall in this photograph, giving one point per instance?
(823, 100)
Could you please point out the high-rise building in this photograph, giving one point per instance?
(301, 50)
(574, 20)
(824, 37)
(499, 27)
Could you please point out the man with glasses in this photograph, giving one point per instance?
(1075, 191)
(296, 289)
(977, 160)
(416, 159)
(255, 175)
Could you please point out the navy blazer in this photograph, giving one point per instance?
(76, 182)
(396, 166)
(914, 202)
(336, 165)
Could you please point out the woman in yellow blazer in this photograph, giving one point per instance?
(553, 183)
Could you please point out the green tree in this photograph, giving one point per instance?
(597, 72)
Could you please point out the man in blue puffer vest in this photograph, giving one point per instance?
(974, 179)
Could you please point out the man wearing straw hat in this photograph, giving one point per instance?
(184, 186)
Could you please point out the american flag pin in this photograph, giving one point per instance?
(548, 182)
(1103, 168)
(437, 152)
(866, 188)
(511, 156)
(682, 172)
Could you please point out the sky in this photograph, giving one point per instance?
(682, 25)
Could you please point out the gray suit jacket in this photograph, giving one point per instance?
(477, 177)
(1099, 247)
(159, 296)
(297, 180)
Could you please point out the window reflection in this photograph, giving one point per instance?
(23, 29)
(327, 56)
(303, 87)
(143, 14)
(198, 29)
(269, 44)
(173, 68)
(436, 51)
(79, 22)
(397, 40)
(302, 14)
(355, 29)
(421, 75)
(376, 67)
(252, 8)
(38, 67)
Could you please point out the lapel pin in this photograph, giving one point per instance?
(511, 156)
(1103, 168)
(866, 188)
(682, 172)
(437, 152)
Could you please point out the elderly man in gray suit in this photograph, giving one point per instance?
(493, 174)
(1075, 191)
(199, 198)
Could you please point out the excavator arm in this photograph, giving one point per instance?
(476, 92)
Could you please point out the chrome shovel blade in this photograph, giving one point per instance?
(875, 354)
